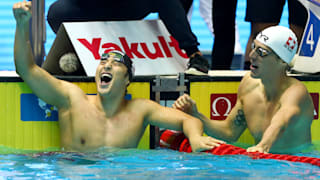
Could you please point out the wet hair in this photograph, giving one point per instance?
(122, 58)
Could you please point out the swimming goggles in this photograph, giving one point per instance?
(117, 56)
(260, 51)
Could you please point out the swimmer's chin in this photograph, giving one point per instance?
(254, 75)
(102, 86)
(104, 89)
(103, 92)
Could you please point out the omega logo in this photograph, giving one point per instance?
(214, 106)
(221, 105)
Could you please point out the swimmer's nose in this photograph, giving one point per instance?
(253, 56)
(108, 66)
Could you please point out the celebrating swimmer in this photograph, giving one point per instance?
(277, 109)
(107, 119)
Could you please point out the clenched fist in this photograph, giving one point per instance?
(22, 12)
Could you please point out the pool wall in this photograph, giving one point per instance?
(28, 123)
(216, 96)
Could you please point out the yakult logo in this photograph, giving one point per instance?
(315, 99)
(221, 105)
(140, 50)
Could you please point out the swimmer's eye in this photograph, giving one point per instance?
(116, 62)
(260, 51)
(113, 62)
(103, 62)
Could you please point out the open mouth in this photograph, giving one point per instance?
(253, 66)
(105, 78)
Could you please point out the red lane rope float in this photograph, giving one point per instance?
(177, 141)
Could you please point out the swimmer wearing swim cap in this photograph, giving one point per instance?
(281, 40)
(274, 47)
(277, 109)
(122, 58)
(109, 61)
(107, 119)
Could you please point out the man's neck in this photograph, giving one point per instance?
(110, 104)
(273, 86)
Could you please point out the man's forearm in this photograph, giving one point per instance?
(218, 129)
(192, 127)
(270, 136)
(22, 49)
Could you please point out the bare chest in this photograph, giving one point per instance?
(84, 128)
(258, 113)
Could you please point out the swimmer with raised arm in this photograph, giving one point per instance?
(277, 109)
(88, 122)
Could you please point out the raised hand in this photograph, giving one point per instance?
(186, 104)
(22, 12)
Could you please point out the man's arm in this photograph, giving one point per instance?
(170, 118)
(229, 129)
(289, 113)
(45, 86)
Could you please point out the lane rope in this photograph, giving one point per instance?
(177, 141)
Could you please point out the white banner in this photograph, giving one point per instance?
(148, 43)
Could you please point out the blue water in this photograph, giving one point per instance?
(112, 163)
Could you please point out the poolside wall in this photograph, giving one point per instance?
(27, 123)
(215, 96)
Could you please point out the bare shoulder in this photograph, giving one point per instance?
(296, 92)
(72, 88)
(143, 107)
(142, 103)
(73, 91)
(297, 86)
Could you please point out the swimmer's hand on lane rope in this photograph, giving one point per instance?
(187, 105)
(258, 148)
(202, 143)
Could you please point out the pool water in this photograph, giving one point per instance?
(113, 163)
